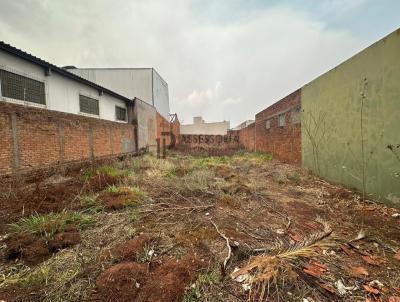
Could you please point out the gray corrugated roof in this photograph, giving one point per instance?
(31, 58)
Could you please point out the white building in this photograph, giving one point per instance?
(28, 80)
(243, 125)
(143, 83)
(199, 126)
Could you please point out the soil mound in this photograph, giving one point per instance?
(128, 251)
(33, 249)
(121, 282)
(131, 281)
(116, 200)
(168, 281)
(102, 181)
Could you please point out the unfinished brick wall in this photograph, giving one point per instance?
(175, 131)
(209, 143)
(283, 142)
(163, 130)
(246, 137)
(33, 138)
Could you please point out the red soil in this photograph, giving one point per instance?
(131, 281)
(121, 282)
(115, 200)
(33, 249)
(127, 251)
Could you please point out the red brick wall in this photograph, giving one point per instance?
(176, 130)
(246, 137)
(284, 143)
(5, 144)
(209, 142)
(163, 129)
(47, 138)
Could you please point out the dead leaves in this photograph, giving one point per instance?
(394, 299)
(374, 260)
(397, 255)
(358, 271)
(315, 269)
(371, 290)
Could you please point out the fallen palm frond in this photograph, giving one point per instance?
(265, 269)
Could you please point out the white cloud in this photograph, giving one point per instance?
(228, 70)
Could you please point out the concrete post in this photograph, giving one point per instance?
(158, 147)
(91, 147)
(15, 146)
(61, 141)
(164, 148)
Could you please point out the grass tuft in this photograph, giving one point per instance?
(49, 224)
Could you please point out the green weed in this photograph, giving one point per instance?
(49, 224)
(90, 204)
(112, 189)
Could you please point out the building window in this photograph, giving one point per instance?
(282, 121)
(18, 87)
(268, 124)
(88, 105)
(120, 113)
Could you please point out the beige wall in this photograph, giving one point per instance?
(200, 127)
(146, 116)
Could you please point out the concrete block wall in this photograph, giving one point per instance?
(283, 142)
(33, 138)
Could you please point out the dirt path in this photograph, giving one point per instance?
(203, 229)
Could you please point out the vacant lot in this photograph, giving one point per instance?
(237, 228)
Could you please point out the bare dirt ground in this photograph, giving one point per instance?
(237, 228)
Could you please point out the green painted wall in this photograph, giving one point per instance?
(364, 88)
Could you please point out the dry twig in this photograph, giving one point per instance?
(228, 257)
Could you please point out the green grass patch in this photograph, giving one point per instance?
(90, 204)
(103, 170)
(49, 224)
(112, 189)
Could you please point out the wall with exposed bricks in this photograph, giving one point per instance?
(33, 138)
(247, 136)
(163, 130)
(283, 142)
(210, 143)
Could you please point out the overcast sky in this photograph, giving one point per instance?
(224, 60)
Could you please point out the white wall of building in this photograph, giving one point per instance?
(143, 83)
(62, 93)
(161, 95)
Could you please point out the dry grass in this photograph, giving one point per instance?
(267, 269)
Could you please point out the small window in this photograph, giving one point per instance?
(282, 120)
(120, 113)
(88, 105)
(18, 87)
(268, 124)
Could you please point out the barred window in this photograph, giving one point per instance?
(18, 87)
(88, 105)
(120, 113)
